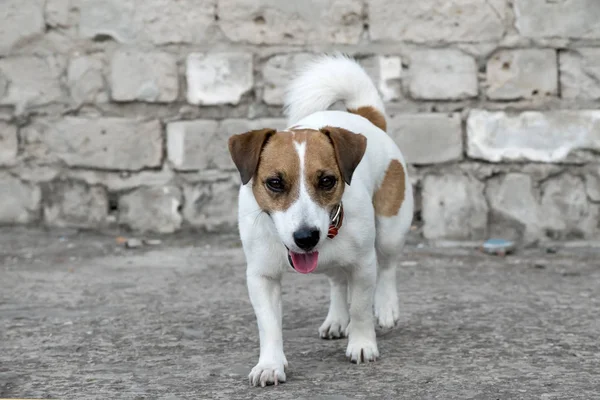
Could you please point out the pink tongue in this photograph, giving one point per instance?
(305, 263)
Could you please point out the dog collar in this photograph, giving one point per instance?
(336, 220)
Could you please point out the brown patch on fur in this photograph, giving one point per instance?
(320, 161)
(349, 149)
(372, 115)
(279, 159)
(245, 150)
(389, 197)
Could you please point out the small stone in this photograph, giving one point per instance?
(428, 138)
(75, 205)
(104, 143)
(20, 202)
(278, 72)
(159, 22)
(522, 74)
(291, 22)
(454, 207)
(85, 78)
(437, 20)
(390, 74)
(515, 210)
(566, 209)
(218, 78)
(20, 21)
(144, 76)
(31, 81)
(57, 12)
(153, 242)
(580, 73)
(442, 74)
(133, 243)
(212, 206)
(9, 144)
(151, 209)
(575, 19)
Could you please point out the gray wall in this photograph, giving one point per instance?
(117, 111)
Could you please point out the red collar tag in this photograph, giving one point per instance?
(337, 217)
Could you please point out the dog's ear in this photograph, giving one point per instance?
(245, 150)
(349, 149)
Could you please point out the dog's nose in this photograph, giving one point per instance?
(306, 238)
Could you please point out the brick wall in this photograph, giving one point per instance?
(116, 112)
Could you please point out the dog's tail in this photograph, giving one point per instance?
(329, 79)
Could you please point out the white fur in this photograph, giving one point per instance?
(362, 258)
(327, 80)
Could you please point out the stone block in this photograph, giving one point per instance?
(151, 209)
(20, 202)
(291, 22)
(75, 205)
(278, 72)
(20, 21)
(454, 207)
(553, 136)
(580, 73)
(9, 144)
(159, 22)
(437, 20)
(143, 76)
(30, 81)
(202, 144)
(212, 206)
(515, 208)
(85, 78)
(390, 75)
(428, 138)
(57, 13)
(592, 183)
(103, 143)
(566, 210)
(522, 74)
(218, 78)
(442, 74)
(574, 19)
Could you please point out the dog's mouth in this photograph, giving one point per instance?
(305, 263)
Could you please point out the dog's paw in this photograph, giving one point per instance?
(333, 328)
(362, 350)
(387, 313)
(264, 374)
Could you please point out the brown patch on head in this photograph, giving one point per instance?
(330, 157)
(245, 150)
(372, 115)
(279, 162)
(322, 174)
(389, 197)
(349, 149)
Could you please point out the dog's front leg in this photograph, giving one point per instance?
(265, 295)
(362, 345)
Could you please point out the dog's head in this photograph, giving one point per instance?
(298, 178)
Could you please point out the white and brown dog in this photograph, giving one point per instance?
(328, 195)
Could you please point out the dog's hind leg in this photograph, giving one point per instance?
(338, 317)
(391, 235)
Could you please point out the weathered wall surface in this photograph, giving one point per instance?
(117, 111)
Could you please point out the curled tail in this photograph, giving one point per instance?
(329, 79)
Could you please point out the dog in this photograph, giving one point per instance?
(330, 194)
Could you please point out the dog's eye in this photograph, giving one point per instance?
(275, 185)
(327, 182)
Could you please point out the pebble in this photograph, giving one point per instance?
(133, 243)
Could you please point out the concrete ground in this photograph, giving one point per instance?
(82, 317)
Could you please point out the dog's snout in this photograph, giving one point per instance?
(307, 238)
